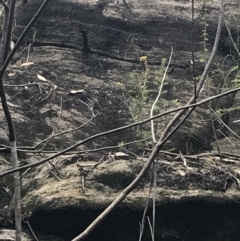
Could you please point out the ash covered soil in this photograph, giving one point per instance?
(59, 95)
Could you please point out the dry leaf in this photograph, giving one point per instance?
(181, 172)
(41, 77)
(12, 45)
(27, 64)
(11, 74)
(55, 87)
(74, 92)
(121, 154)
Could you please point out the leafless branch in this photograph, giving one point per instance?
(230, 36)
(29, 226)
(4, 5)
(158, 96)
(116, 130)
(142, 224)
(28, 149)
(151, 228)
(223, 123)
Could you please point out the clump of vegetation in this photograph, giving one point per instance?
(141, 89)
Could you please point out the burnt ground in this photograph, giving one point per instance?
(87, 93)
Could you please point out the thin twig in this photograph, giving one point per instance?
(88, 106)
(234, 145)
(60, 109)
(151, 228)
(158, 96)
(47, 96)
(60, 134)
(28, 54)
(29, 226)
(154, 171)
(222, 122)
(142, 224)
(193, 55)
(230, 36)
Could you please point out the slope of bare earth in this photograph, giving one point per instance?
(59, 95)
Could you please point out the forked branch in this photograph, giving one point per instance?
(4, 5)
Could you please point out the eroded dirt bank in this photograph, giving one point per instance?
(84, 93)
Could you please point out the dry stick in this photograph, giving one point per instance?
(4, 35)
(217, 154)
(193, 55)
(202, 155)
(154, 139)
(214, 129)
(114, 131)
(158, 96)
(234, 145)
(222, 122)
(35, 237)
(142, 224)
(4, 5)
(165, 136)
(154, 171)
(27, 149)
(151, 228)
(28, 53)
(9, 29)
(4, 147)
(230, 36)
(62, 133)
(208, 84)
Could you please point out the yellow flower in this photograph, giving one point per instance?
(143, 58)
